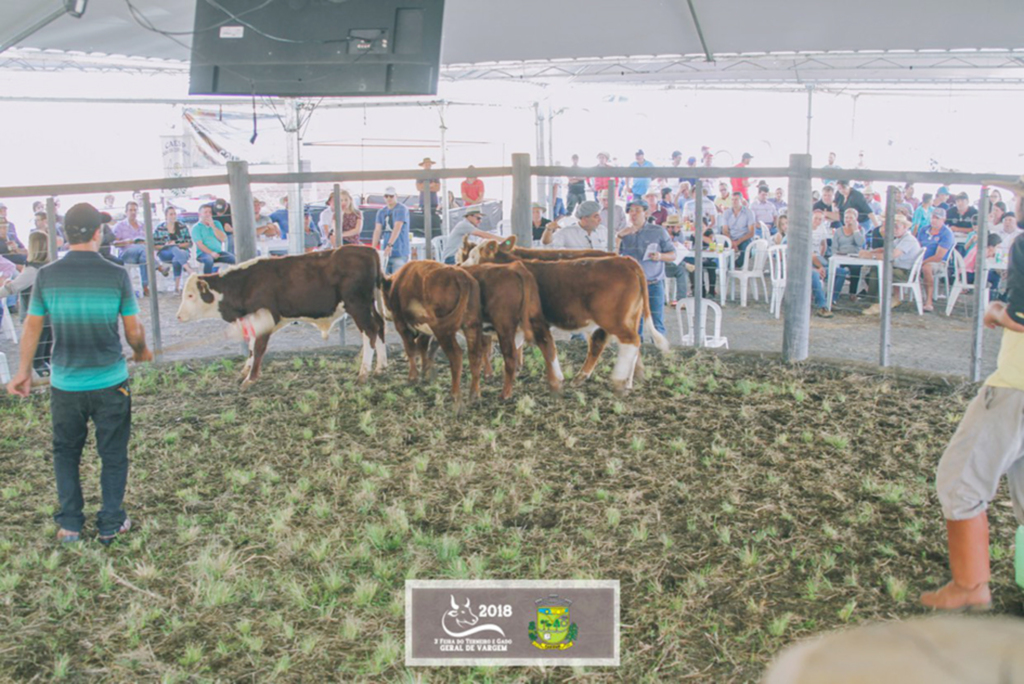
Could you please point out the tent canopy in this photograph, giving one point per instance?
(652, 40)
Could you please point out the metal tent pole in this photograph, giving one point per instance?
(885, 290)
(539, 122)
(980, 287)
(445, 212)
(150, 266)
(296, 225)
(796, 309)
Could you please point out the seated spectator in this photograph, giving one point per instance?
(961, 217)
(222, 214)
(708, 208)
(908, 196)
(280, 217)
(710, 265)
(21, 284)
(847, 240)
(739, 223)
(8, 269)
(666, 202)
(584, 231)
(210, 237)
(658, 214)
(942, 198)
(683, 195)
(724, 198)
(10, 246)
(468, 226)
(902, 203)
(472, 190)
(905, 249)
(108, 239)
(130, 238)
(673, 225)
(922, 217)
(971, 262)
(173, 244)
(1008, 231)
(620, 214)
(265, 226)
(651, 247)
(764, 210)
(781, 227)
(827, 204)
(821, 233)
(539, 222)
(937, 241)
(777, 200)
(42, 225)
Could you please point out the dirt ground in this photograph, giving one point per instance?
(932, 342)
(741, 503)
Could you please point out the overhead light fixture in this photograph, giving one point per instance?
(75, 8)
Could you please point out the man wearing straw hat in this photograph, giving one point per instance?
(432, 184)
(905, 249)
(84, 295)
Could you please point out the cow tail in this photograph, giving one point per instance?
(659, 340)
(530, 295)
(378, 296)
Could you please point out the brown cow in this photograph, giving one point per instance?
(426, 299)
(609, 292)
(511, 307)
(530, 253)
(318, 288)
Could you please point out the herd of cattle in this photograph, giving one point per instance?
(514, 293)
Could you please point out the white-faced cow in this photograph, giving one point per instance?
(609, 292)
(318, 288)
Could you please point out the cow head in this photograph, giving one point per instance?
(464, 250)
(463, 615)
(488, 251)
(198, 300)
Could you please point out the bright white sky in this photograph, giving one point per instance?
(61, 143)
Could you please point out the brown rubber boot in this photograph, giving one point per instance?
(968, 563)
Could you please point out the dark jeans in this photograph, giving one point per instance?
(711, 268)
(656, 295)
(207, 260)
(18, 259)
(576, 195)
(111, 412)
(993, 279)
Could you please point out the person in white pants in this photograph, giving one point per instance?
(988, 444)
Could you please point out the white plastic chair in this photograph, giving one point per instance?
(960, 284)
(753, 270)
(5, 372)
(8, 322)
(913, 283)
(724, 240)
(437, 247)
(712, 341)
(942, 276)
(777, 269)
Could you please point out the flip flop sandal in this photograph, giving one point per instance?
(67, 536)
(108, 539)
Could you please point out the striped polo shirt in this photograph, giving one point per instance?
(84, 294)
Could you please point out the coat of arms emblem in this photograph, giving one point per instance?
(553, 629)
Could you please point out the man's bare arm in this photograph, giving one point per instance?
(135, 334)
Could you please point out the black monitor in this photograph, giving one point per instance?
(313, 48)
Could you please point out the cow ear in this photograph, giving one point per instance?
(507, 244)
(466, 243)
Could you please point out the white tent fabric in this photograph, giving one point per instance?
(482, 31)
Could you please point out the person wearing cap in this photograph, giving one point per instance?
(962, 216)
(265, 226)
(740, 185)
(985, 447)
(472, 190)
(576, 187)
(468, 226)
(209, 237)
(130, 238)
(691, 163)
(222, 214)
(834, 167)
(942, 198)
(657, 213)
(677, 160)
(651, 246)
(905, 249)
(84, 296)
(739, 223)
(425, 184)
(582, 231)
(600, 183)
(391, 231)
(539, 223)
(937, 241)
(679, 272)
(639, 185)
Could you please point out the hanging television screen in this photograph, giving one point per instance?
(316, 48)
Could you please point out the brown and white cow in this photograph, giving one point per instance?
(427, 300)
(511, 308)
(318, 288)
(609, 292)
(531, 253)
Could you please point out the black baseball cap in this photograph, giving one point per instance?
(82, 221)
(747, 155)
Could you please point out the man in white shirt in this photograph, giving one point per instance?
(708, 208)
(905, 249)
(580, 232)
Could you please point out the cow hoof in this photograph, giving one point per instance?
(619, 388)
(578, 380)
(362, 377)
(247, 383)
(556, 389)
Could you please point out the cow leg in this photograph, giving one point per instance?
(475, 347)
(453, 351)
(409, 342)
(370, 323)
(543, 339)
(507, 344)
(382, 352)
(638, 370)
(367, 359)
(624, 366)
(488, 367)
(428, 350)
(598, 340)
(258, 349)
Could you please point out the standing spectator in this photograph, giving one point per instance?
(937, 241)
(709, 182)
(539, 223)
(576, 188)
(351, 221)
(651, 247)
(832, 166)
(600, 183)
(922, 215)
(778, 201)
(391, 231)
(848, 240)
(173, 244)
(740, 185)
(222, 214)
(326, 220)
(739, 224)
(962, 217)
(986, 446)
(557, 205)
(764, 211)
(428, 187)
(905, 249)
(691, 164)
(280, 217)
(210, 237)
(130, 238)
(472, 189)
(469, 226)
(847, 198)
(582, 232)
(38, 256)
(658, 213)
(639, 185)
(84, 295)
(677, 160)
